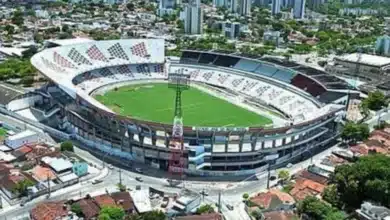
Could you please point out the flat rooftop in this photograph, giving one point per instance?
(367, 59)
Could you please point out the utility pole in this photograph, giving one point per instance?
(48, 184)
(120, 176)
(219, 201)
(269, 175)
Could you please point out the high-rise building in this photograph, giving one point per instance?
(231, 29)
(241, 7)
(275, 7)
(220, 3)
(166, 7)
(193, 19)
(299, 9)
(261, 2)
(383, 45)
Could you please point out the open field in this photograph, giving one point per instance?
(155, 102)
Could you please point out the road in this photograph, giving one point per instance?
(231, 191)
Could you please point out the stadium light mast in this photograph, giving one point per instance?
(179, 82)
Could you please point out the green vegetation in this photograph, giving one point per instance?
(111, 213)
(284, 175)
(375, 101)
(314, 208)
(353, 132)
(77, 210)
(3, 132)
(155, 102)
(15, 68)
(67, 146)
(22, 186)
(365, 180)
(245, 196)
(205, 209)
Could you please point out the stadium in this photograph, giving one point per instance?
(241, 114)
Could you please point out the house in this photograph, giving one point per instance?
(41, 173)
(104, 200)
(305, 174)
(274, 200)
(80, 168)
(50, 211)
(369, 211)
(22, 138)
(39, 151)
(124, 200)
(209, 216)
(279, 215)
(21, 153)
(89, 208)
(306, 187)
(59, 165)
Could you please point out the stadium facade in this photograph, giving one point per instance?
(309, 101)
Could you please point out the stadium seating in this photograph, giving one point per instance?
(266, 70)
(226, 61)
(283, 75)
(246, 65)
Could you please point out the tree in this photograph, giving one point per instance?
(154, 215)
(17, 18)
(284, 175)
(67, 146)
(27, 81)
(121, 187)
(314, 208)
(366, 179)
(65, 28)
(77, 210)
(205, 209)
(257, 214)
(330, 195)
(111, 213)
(130, 6)
(10, 29)
(375, 100)
(245, 196)
(27, 54)
(22, 186)
(353, 132)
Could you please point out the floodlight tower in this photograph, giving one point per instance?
(179, 82)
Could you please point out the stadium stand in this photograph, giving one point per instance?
(246, 65)
(77, 57)
(308, 85)
(207, 58)
(117, 51)
(95, 54)
(284, 75)
(266, 70)
(310, 71)
(189, 57)
(226, 61)
(325, 79)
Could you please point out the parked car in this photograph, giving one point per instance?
(110, 166)
(96, 182)
(139, 179)
(139, 170)
(230, 207)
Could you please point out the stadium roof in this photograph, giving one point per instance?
(367, 59)
(62, 64)
(65, 42)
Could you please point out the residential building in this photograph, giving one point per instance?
(89, 208)
(369, 211)
(299, 9)
(59, 165)
(231, 29)
(276, 4)
(193, 19)
(306, 187)
(43, 173)
(314, 4)
(220, 3)
(104, 200)
(166, 7)
(273, 200)
(80, 168)
(241, 7)
(50, 211)
(273, 36)
(383, 45)
(124, 200)
(280, 215)
(305, 174)
(261, 3)
(22, 138)
(387, 25)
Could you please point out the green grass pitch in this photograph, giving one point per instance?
(155, 102)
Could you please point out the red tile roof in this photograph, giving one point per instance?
(305, 187)
(279, 215)
(312, 176)
(43, 173)
(49, 211)
(124, 200)
(273, 196)
(89, 208)
(104, 200)
(24, 149)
